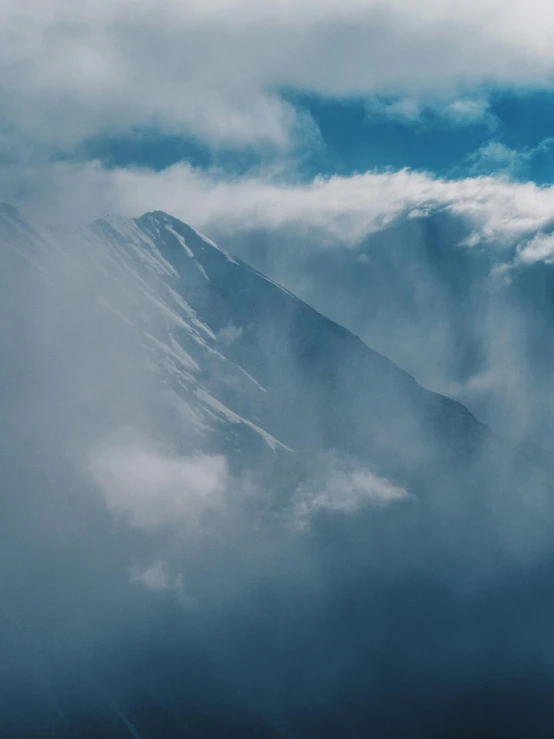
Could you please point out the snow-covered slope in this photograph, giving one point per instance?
(472, 320)
(140, 359)
(234, 351)
(243, 367)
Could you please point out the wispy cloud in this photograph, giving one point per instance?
(497, 211)
(157, 577)
(342, 486)
(452, 107)
(495, 157)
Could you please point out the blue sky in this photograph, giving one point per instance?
(512, 136)
(357, 138)
(236, 109)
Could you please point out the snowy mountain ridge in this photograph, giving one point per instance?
(233, 349)
(217, 465)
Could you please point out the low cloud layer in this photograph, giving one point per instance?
(498, 212)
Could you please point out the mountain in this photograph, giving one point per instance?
(240, 355)
(465, 313)
(228, 516)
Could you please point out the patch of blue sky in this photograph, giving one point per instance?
(156, 150)
(511, 133)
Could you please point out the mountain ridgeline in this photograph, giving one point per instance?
(227, 516)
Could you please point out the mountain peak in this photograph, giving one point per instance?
(166, 220)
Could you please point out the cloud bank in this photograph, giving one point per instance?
(498, 211)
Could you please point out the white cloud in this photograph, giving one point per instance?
(538, 249)
(152, 490)
(343, 486)
(213, 68)
(497, 211)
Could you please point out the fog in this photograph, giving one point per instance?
(374, 561)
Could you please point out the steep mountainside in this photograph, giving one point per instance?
(242, 356)
(229, 505)
(473, 319)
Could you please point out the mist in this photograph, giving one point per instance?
(466, 310)
(223, 515)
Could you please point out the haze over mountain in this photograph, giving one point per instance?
(287, 471)
(466, 309)
(225, 515)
